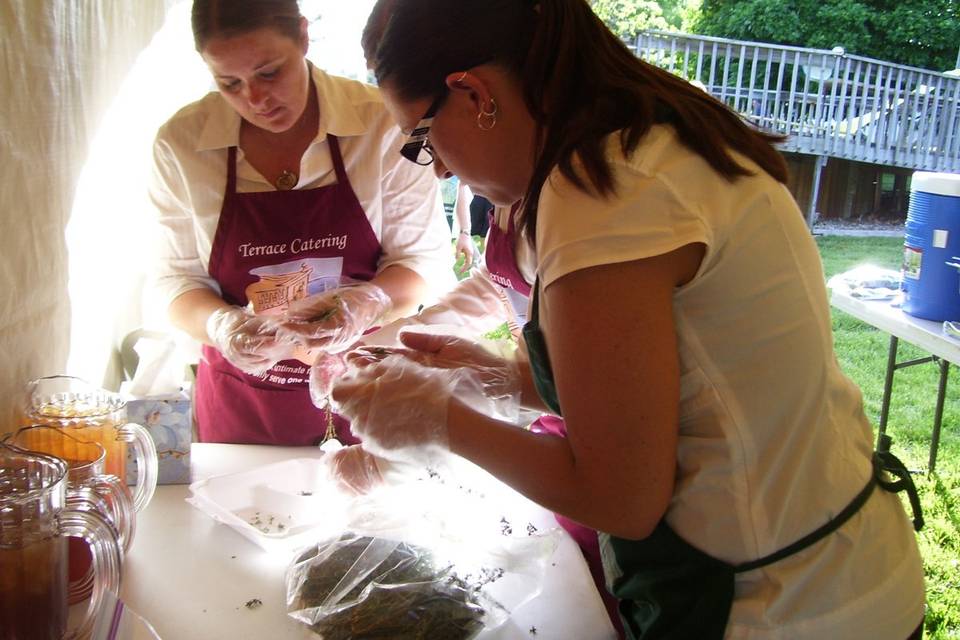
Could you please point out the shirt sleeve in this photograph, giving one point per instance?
(414, 233)
(645, 217)
(177, 267)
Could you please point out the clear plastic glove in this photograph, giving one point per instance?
(476, 304)
(397, 406)
(355, 470)
(335, 319)
(249, 342)
(492, 366)
(324, 373)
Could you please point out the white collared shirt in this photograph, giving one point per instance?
(401, 199)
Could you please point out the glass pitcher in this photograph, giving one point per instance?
(95, 415)
(36, 521)
(85, 470)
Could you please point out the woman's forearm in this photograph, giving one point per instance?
(405, 288)
(545, 469)
(189, 312)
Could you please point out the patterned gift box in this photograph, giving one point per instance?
(169, 420)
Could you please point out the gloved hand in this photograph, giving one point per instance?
(324, 373)
(493, 368)
(397, 399)
(397, 406)
(476, 304)
(247, 341)
(355, 470)
(334, 320)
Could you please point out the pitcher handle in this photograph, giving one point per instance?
(105, 551)
(121, 507)
(146, 455)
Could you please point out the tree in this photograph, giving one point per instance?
(626, 18)
(920, 33)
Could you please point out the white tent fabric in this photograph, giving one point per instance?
(61, 66)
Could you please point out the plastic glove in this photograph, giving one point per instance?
(476, 304)
(335, 319)
(396, 406)
(326, 370)
(492, 365)
(353, 469)
(247, 341)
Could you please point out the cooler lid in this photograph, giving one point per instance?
(944, 184)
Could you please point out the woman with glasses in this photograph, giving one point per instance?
(679, 323)
(271, 192)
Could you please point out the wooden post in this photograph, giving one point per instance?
(819, 162)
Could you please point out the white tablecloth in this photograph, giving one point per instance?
(191, 577)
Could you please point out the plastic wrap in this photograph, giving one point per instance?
(443, 554)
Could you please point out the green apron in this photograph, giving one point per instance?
(667, 588)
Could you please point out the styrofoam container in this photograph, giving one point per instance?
(281, 507)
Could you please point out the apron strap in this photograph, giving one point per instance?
(883, 461)
(892, 465)
(821, 532)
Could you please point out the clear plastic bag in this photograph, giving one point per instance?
(442, 555)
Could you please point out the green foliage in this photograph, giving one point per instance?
(626, 18)
(921, 33)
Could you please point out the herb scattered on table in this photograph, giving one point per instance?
(253, 603)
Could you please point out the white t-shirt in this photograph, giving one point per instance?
(401, 199)
(773, 436)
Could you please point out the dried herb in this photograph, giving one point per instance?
(406, 597)
(253, 603)
(329, 312)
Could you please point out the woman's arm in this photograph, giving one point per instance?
(405, 288)
(614, 357)
(190, 311)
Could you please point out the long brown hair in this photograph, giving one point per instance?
(228, 18)
(580, 83)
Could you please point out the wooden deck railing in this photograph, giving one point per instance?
(829, 103)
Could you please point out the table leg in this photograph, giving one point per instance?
(888, 386)
(938, 414)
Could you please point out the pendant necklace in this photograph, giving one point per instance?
(286, 180)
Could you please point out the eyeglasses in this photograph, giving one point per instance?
(417, 147)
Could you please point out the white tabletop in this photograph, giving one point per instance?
(926, 334)
(190, 576)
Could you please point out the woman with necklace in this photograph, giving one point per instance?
(279, 186)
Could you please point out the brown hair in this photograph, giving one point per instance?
(228, 18)
(580, 83)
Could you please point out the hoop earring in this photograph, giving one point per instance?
(487, 120)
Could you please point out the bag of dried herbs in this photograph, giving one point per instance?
(368, 587)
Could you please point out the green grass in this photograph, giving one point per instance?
(862, 352)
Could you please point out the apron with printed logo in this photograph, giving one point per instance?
(272, 248)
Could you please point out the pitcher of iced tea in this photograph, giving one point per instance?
(35, 524)
(106, 494)
(96, 415)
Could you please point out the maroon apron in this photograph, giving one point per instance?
(501, 261)
(278, 246)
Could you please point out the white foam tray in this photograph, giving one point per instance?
(281, 507)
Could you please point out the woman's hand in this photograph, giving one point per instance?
(466, 248)
(354, 470)
(396, 406)
(335, 319)
(249, 342)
